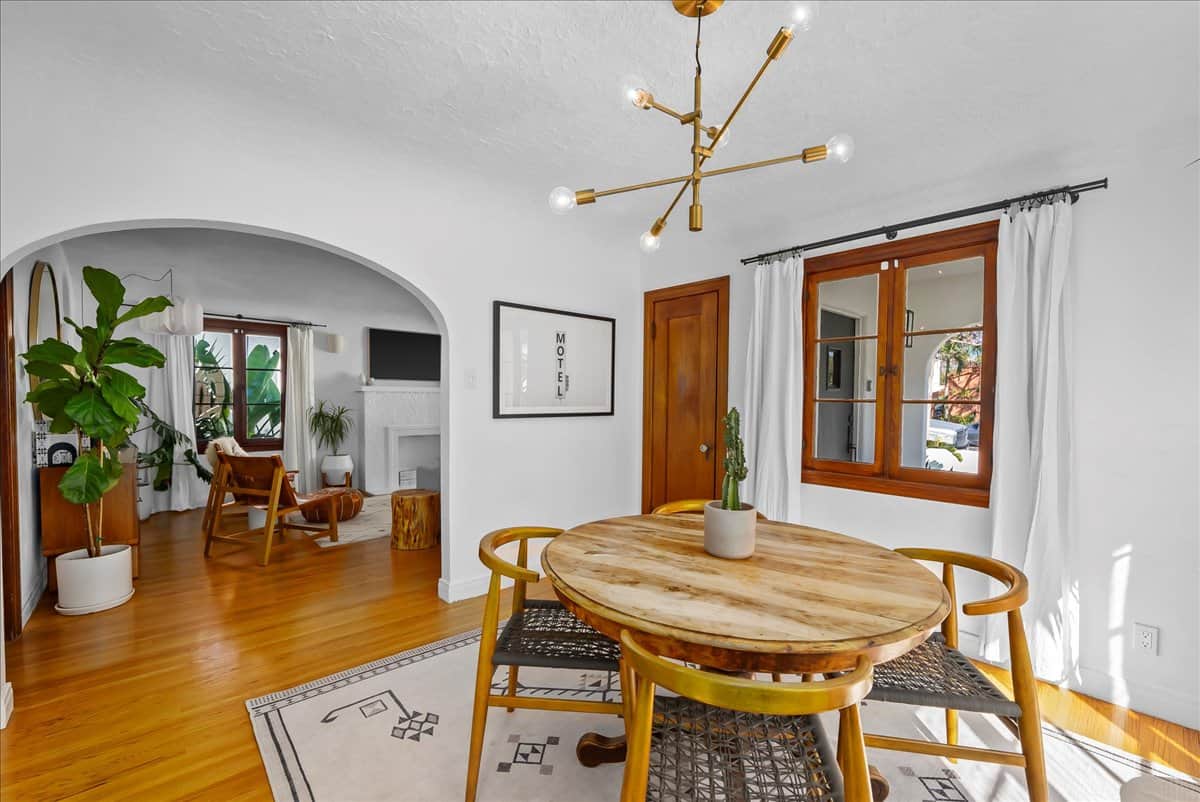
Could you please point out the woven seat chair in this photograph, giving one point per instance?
(691, 505)
(538, 633)
(936, 674)
(725, 737)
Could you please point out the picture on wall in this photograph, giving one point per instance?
(549, 363)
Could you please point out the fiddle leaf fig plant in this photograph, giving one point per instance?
(83, 390)
(735, 462)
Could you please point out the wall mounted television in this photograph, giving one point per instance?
(404, 355)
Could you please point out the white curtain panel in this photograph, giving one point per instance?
(169, 394)
(299, 452)
(1030, 495)
(774, 384)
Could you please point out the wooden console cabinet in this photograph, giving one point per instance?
(64, 527)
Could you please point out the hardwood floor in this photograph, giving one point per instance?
(146, 701)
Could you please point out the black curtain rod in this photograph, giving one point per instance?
(891, 231)
(266, 320)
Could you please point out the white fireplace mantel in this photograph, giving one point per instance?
(391, 412)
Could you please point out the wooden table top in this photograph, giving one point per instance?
(807, 600)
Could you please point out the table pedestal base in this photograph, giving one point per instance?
(595, 749)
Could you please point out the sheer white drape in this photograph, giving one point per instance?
(299, 452)
(774, 385)
(169, 394)
(1030, 495)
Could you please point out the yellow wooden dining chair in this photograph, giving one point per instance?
(691, 505)
(726, 737)
(936, 674)
(539, 632)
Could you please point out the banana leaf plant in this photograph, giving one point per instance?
(162, 458)
(263, 400)
(83, 390)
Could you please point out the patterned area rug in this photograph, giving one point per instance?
(397, 729)
(375, 521)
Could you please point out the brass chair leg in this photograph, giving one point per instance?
(952, 730)
(1026, 696)
(637, 755)
(853, 756)
(512, 684)
(483, 684)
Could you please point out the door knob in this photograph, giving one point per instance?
(704, 448)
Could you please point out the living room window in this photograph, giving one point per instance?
(240, 369)
(900, 366)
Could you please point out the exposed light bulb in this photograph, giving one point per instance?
(840, 147)
(634, 93)
(803, 15)
(723, 141)
(562, 200)
(650, 243)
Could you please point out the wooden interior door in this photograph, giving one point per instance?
(685, 391)
(10, 519)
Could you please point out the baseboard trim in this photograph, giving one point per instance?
(1155, 700)
(469, 588)
(6, 704)
(30, 603)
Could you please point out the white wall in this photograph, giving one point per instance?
(233, 273)
(33, 565)
(153, 150)
(1134, 289)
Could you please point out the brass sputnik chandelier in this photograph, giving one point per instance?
(705, 139)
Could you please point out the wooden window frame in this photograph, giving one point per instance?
(239, 329)
(885, 474)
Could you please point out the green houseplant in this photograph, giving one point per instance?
(330, 425)
(728, 523)
(83, 390)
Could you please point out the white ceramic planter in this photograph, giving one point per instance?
(729, 533)
(335, 467)
(91, 584)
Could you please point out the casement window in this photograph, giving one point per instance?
(240, 369)
(900, 365)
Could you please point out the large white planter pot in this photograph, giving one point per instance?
(335, 467)
(91, 584)
(729, 533)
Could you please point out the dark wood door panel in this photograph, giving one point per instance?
(685, 389)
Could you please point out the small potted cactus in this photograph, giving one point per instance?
(728, 523)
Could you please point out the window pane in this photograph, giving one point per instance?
(939, 438)
(943, 366)
(264, 383)
(845, 431)
(846, 369)
(947, 295)
(263, 421)
(848, 306)
(212, 421)
(214, 349)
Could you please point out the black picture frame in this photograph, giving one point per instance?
(498, 413)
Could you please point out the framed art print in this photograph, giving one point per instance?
(551, 363)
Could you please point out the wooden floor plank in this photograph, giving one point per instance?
(147, 701)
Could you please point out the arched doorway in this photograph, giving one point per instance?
(18, 257)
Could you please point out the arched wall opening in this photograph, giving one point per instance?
(51, 249)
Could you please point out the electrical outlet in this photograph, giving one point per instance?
(1145, 638)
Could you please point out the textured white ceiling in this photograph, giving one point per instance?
(528, 92)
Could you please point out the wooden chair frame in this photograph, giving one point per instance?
(690, 505)
(244, 477)
(521, 575)
(1029, 727)
(642, 671)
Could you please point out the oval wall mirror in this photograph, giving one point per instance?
(45, 321)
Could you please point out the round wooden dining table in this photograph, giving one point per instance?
(807, 601)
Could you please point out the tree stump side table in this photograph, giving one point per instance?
(416, 519)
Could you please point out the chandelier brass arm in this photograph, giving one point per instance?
(839, 147)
